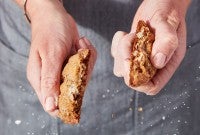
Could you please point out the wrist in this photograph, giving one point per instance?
(182, 6)
(36, 7)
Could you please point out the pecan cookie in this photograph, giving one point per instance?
(141, 68)
(72, 88)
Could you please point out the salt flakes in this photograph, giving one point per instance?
(163, 117)
(17, 122)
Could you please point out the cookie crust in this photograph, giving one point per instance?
(141, 68)
(72, 88)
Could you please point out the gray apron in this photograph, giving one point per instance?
(109, 106)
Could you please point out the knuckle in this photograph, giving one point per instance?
(158, 17)
(171, 41)
(119, 33)
(53, 52)
(49, 83)
(173, 19)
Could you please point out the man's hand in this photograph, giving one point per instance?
(54, 39)
(167, 18)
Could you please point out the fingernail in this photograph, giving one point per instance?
(82, 43)
(50, 103)
(159, 60)
(87, 41)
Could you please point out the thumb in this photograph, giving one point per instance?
(50, 82)
(166, 42)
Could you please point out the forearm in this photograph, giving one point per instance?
(187, 4)
(34, 7)
(183, 5)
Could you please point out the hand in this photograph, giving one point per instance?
(167, 18)
(54, 38)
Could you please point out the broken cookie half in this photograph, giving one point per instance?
(141, 68)
(72, 88)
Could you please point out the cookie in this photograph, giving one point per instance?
(141, 68)
(72, 88)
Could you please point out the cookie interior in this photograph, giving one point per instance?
(74, 77)
(141, 69)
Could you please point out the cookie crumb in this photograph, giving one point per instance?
(140, 109)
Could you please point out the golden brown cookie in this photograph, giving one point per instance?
(72, 88)
(141, 68)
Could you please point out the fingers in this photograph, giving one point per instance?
(164, 54)
(163, 75)
(34, 71)
(43, 73)
(50, 85)
(121, 51)
(124, 51)
(52, 57)
(44, 69)
(166, 42)
(50, 81)
(115, 41)
(34, 68)
(116, 55)
(122, 48)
